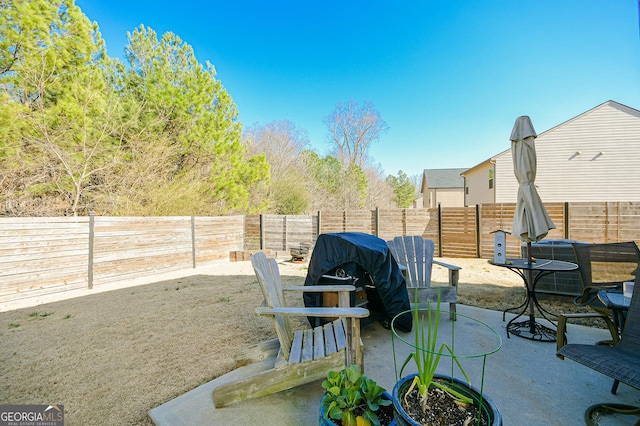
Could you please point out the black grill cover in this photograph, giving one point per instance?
(367, 258)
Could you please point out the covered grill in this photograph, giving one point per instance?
(367, 263)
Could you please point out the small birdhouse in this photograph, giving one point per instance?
(500, 246)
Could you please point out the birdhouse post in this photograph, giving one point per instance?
(500, 246)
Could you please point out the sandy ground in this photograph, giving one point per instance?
(110, 356)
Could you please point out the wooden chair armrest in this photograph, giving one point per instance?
(561, 334)
(454, 272)
(316, 312)
(319, 288)
(447, 265)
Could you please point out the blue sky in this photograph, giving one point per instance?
(449, 77)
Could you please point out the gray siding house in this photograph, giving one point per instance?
(592, 157)
(444, 187)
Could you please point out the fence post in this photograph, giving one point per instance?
(377, 222)
(91, 235)
(478, 231)
(193, 242)
(286, 232)
(261, 232)
(566, 220)
(319, 225)
(404, 222)
(439, 230)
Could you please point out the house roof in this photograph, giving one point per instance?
(477, 166)
(442, 178)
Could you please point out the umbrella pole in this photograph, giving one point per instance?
(532, 321)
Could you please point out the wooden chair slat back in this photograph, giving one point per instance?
(270, 281)
(416, 254)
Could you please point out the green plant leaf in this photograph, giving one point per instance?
(349, 390)
(425, 356)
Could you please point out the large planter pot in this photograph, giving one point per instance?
(327, 422)
(488, 406)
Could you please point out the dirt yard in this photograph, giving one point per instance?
(110, 357)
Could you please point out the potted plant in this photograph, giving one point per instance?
(430, 398)
(353, 399)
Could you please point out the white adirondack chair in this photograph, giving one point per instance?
(300, 356)
(414, 254)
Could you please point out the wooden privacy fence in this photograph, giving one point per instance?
(46, 255)
(457, 231)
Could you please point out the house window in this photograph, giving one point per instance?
(490, 178)
(466, 190)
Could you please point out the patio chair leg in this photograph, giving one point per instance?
(614, 388)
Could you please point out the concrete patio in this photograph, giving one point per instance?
(527, 382)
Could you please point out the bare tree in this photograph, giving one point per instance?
(416, 180)
(282, 143)
(353, 128)
(379, 192)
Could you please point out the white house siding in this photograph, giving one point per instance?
(607, 167)
(477, 180)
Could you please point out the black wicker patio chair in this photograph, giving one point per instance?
(620, 361)
(605, 265)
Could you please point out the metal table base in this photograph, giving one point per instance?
(531, 273)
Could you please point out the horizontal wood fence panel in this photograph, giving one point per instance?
(131, 247)
(628, 222)
(348, 221)
(279, 232)
(332, 221)
(396, 222)
(274, 232)
(423, 222)
(215, 237)
(590, 222)
(136, 267)
(42, 256)
(458, 226)
(497, 217)
(59, 279)
(556, 213)
(252, 232)
(391, 223)
(360, 221)
(45, 255)
(604, 222)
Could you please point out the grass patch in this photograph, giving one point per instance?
(38, 315)
(500, 298)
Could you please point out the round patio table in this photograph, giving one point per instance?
(614, 299)
(531, 272)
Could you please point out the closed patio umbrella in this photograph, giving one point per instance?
(530, 220)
